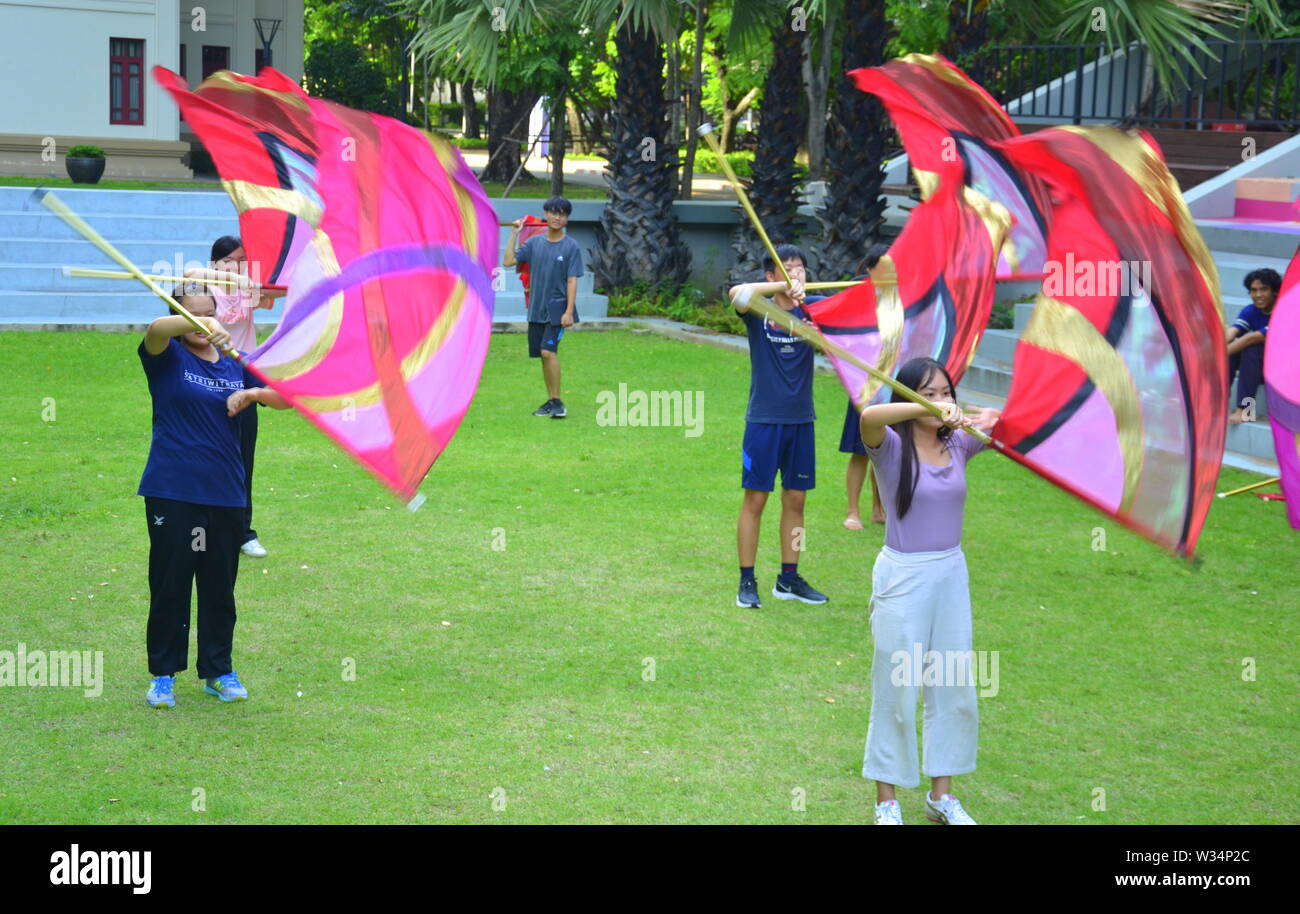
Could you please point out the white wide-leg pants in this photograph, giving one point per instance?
(920, 603)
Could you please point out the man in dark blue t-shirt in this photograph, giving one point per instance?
(778, 429)
(555, 263)
(1246, 337)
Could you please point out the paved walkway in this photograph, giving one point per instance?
(590, 173)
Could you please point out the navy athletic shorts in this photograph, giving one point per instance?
(768, 447)
(543, 337)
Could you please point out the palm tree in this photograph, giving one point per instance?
(514, 48)
(853, 213)
(783, 118)
(638, 238)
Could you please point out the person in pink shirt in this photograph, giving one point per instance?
(236, 306)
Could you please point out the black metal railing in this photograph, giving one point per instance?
(1249, 83)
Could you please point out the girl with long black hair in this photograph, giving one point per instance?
(920, 600)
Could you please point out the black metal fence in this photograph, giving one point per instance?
(1247, 83)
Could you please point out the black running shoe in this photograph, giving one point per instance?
(798, 589)
(557, 409)
(546, 408)
(747, 596)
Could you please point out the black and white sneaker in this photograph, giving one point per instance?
(747, 596)
(545, 409)
(557, 409)
(798, 589)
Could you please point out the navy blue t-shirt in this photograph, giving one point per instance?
(194, 456)
(781, 371)
(550, 264)
(1251, 318)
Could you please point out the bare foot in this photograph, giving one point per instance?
(853, 522)
(877, 515)
(1236, 417)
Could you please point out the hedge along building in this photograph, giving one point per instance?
(77, 71)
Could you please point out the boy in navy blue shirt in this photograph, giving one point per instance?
(1246, 339)
(778, 429)
(555, 263)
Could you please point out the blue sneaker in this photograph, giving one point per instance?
(227, 688)
(161, 694)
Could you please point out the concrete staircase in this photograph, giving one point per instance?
(1248, 446)
(155, 229)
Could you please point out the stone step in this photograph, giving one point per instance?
(91, 202)
(76, 251)
(119, 227)
(1230, 238)
(998, 346)
(993, 378)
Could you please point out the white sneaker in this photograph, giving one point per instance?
(946, 810)
(254, 549)
(889, 813)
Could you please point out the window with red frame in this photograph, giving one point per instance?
(126, 81)
(215, 57)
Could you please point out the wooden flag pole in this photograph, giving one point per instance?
(1253, 485)
(810, 333)
(60, 209)
(156, 277)
(833, 285)
(706, 130)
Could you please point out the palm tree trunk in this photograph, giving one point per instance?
(507, 122)
(694, 118)
(773, 189)
(816, 77)
(638, 238)
(853, 213)
(559, 106)
(966, 35)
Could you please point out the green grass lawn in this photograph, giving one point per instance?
(523, 673)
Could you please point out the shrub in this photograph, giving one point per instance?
(686, 303)
(1003, 316)
(85, 151)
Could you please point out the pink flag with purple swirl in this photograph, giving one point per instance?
(1282, 386)
(387, 244)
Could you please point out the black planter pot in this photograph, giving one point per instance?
(85, 171)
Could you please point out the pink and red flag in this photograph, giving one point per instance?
(387, 244)
(1282, 386)
(1119, 382)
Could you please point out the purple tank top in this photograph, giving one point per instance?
(933, 522)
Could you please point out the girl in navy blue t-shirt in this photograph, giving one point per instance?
(193, 488)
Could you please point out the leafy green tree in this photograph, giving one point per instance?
(338, 70)
(519, 50)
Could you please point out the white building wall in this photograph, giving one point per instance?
(54, 65)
